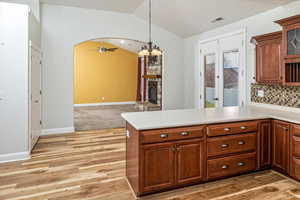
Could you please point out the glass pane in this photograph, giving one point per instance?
(210, 82)
(293, 42)
(231, 78)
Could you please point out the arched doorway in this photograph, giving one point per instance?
(109, 79)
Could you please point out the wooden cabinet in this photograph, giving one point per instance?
(158, 166)
(164, 159)
(190, 161)
(291, 50)
(268, 58)
(295, 152)
(265, 141)
(170, 164)
(280, 146)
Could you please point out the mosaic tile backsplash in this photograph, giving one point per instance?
(277, 95)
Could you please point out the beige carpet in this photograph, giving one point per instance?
(100, 117)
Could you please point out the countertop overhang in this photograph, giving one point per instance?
(191, 117)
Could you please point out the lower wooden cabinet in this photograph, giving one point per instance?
(169, 164)
(158, 166)
(265, 141)
(190, 162)
(295, 152)
(280, 146)
(164, 159)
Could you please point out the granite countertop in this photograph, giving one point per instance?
(178, 118)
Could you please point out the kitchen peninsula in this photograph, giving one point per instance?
(176, 148)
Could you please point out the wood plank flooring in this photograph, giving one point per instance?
(91, 166)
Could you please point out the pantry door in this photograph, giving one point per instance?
(223, 73)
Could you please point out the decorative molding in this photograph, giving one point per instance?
(11, 157)
(105, 104)
(56, 131)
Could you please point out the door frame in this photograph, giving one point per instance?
(38, 49)
(199, 71)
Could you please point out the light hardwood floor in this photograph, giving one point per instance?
(91, 166)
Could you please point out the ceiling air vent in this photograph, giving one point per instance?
(217, 20)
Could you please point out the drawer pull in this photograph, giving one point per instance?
(226, 129)
(241, 164)
(184, 133)
(241, 142)
(164, 135)
(225, 145)
(225, 167)
(243, 127)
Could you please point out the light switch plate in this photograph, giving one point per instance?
(260, 93)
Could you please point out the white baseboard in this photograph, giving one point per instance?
(11, 157)
(56, 131)
(105, 104)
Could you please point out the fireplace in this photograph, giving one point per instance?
(152, 92)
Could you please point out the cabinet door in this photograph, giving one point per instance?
(280, 146)
(190, 161)
(295, 152)
(265, 141)
(268, 61)
(158, 166)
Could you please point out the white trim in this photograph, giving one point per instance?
(11, 157)
(275, 107)
(56, 131)
(105, 104)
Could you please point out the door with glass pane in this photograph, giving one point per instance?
(209, 58)
(223, 72)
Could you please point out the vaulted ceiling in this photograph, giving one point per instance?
(182, 17)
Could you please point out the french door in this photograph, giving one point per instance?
(222, 72)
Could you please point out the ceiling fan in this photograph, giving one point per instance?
(103, 49)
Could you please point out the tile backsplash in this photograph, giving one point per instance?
(276, 94)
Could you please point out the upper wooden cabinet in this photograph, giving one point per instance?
(268, 58)
(291, 50)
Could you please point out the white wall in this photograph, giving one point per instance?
(13, 78)
(33, 4)
(255, 25)
(64, 27)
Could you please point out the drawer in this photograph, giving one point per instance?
(231, 144)
(296, 145)
(231, 165)
(232, 128)
(162, 135)
(295, 168)
(296, 130)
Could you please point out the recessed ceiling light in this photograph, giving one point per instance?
(122, 41)
(217, 20)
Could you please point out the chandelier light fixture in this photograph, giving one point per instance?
(150, 49)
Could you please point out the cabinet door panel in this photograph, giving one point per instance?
(158, 166)
(265, 143)
(268, 58)
(280, 146)
(190, 161)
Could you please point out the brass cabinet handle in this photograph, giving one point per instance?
(225, 145)
(243, 127)
(225, 167)
(164, 135)
(241, 142)
(241, 164)
(226, 129)
(184, 133)
(174, 149)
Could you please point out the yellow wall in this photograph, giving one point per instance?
(107, 77)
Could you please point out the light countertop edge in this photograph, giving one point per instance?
(192, 117)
